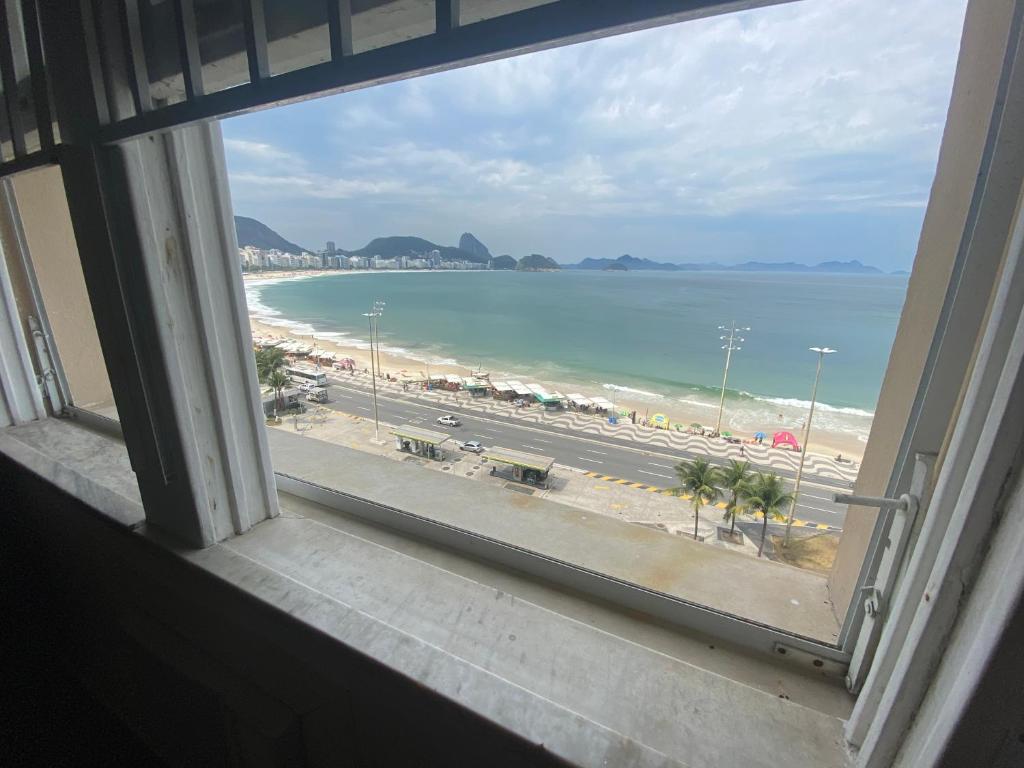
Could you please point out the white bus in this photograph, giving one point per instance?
(307, 378)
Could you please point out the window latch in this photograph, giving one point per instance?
(877, 595)
(908, 503)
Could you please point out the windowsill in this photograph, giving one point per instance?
(770, 593)
(592, 684)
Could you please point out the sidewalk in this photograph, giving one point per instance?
(569, 486)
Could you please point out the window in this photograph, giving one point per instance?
(558, 412)
(52, 295)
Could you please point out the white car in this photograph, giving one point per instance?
(473, 446)
(448, 421)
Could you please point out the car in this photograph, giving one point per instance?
(449, 421)
(473, 446)
(306, 386)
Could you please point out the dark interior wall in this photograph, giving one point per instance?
(165, 664)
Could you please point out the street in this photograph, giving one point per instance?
(630, 460)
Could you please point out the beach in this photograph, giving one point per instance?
(742, 420)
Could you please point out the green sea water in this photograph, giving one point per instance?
(646, 336)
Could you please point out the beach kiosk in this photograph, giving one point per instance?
(476, 387)
(420, 442)
(502, 390)
(527, 468)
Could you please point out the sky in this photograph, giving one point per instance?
(802, 132)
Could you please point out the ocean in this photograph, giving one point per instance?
(645, 337)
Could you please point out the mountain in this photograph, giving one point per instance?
(536, 263)
(390, 247)
(470, 244)
(503, 262)
(627, 262)
(632, 263)
(259, 235)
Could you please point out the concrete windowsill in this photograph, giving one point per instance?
(760, 590)
(592, 684)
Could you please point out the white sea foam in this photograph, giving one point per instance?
(697, 403)
(633, 392)
(793, 402)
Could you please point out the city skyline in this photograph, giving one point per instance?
(767, 135)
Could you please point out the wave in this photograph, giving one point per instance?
(633, 391)
(793, 402)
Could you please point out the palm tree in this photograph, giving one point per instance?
(696, 477)
(278, 380)
(734, 478)
(766, 494)
(268, 360)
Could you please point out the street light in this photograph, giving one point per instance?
(378, 307)
(821, 351)
(371, 315)
(729, 347)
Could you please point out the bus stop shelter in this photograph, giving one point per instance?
(420, 442)
(526, 467)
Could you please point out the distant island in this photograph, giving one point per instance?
(536, 263)
(472, 253)
(632, 263)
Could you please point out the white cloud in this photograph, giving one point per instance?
(808, 107)
(259, 151)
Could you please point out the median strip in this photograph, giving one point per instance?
(719, 505)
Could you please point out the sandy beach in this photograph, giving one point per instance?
(822, 442)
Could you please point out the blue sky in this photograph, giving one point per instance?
(802, 132)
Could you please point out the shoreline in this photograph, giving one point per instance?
(823, 442)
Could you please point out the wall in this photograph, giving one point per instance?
(205, 676)
(51, 244)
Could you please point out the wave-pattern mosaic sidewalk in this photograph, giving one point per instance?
(588, 424)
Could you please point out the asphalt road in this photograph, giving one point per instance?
(627, 460)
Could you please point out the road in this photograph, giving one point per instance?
(628, 460)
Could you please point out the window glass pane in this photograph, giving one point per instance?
(298, 34)
(685, 274)
(478, 10)
(160, 43)
(25, 109)
(221, 44)
(379, 23)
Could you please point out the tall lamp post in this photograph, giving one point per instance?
(821, 351)
(378, 307)
(371, 316)
(729, 347)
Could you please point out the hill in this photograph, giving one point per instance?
(259, 235)
(405, 245)
(470, 244)
(536, 263)
(632, 263)
(503, 262)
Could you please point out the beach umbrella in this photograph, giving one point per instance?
(727, 434)
(695, 425)
(659, 419)
(760, 435)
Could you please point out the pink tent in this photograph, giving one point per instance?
(785, 439)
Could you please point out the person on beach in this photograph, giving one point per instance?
(742, 451)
